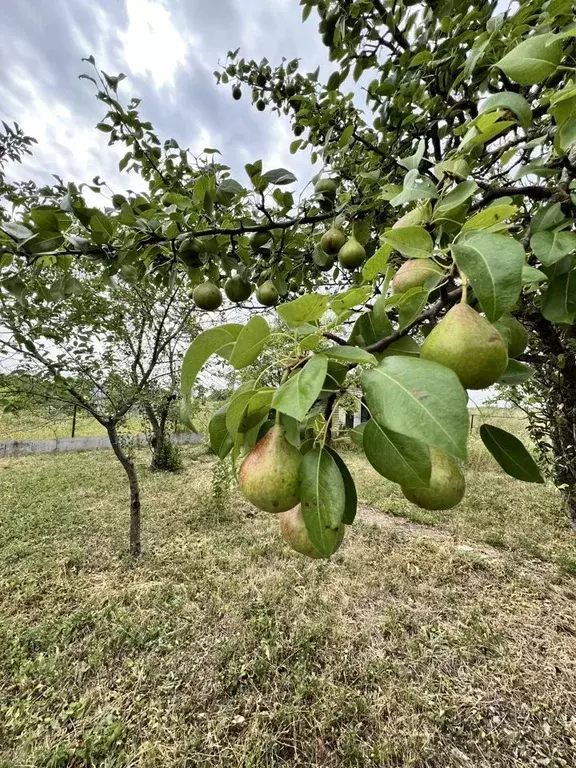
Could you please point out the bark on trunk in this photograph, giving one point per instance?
(130, 469)
(555, 422)
(159, 434)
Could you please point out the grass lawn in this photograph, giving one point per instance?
(450, 645)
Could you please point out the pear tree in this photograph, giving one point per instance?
(433, 251)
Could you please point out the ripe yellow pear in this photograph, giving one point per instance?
(414, 273)
(447, 484)
(293, 529)
(268, 477)
(514, 334)
(468, 344)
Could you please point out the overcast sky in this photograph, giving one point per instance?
(169, 50)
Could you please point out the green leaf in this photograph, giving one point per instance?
(376, 264)
(247, 409)
(351, 298)
(397, 457)
(404, 346)
(559, 302)
(306, 309)
(356, 434)
(490, 217)
(411, 305)
(220, 441)
(510, 454)
(279, 176)
(345, 136)
(532, 275)
(208, 343)
(413, 161)
(349, 355)
(511, 101)
(550, 247)
(299, 393)
(411, 242)
(351, 497)
(493, 264)
(420, 399)
(372, 326)
(322, 498)
(250, 342)
(459, 195)
(533, 60)
(516, 373)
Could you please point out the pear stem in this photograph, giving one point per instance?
(464, 299)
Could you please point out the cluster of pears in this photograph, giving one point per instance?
(351, 254)
(208, 296)
(270, 479)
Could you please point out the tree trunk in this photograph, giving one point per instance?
(553, 424)
(130, 469)
(160, 439)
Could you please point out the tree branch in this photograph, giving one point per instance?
(533, 191)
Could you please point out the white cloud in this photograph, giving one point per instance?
(152, 44)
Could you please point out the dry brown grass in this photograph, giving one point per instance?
(221, 647)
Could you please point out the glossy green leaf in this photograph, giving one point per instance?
(279, 176)
(489, 217)
(404, 346)
(208, 343)
(352, 298)
(462, 192)
(377, 264)
(550, 246)
(305, 309)
(322, 498)
(349, 355)
(299, 393)
(532, 60)
(411, 242)
(220, 441)
(511, 454)
(511, 101)
(532, 275)
(372, 326)
(420, 399)
(559, 301)
(250, 342)
(399, 458)
(516, 373)
(350, 494)
(493, 264)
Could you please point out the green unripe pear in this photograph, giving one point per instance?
(326, 187)
(268, 477)
(514, 334)
(207, 296)
(447, 484)
(236, 93)
(352, 254)
(261, 80)
(298, 129)
(189, 251)
(237, 289)
(293, 529)
(260, 105)
(332, 241)
(267, 294)
(468, 344)
(415, 273)
(259, 239)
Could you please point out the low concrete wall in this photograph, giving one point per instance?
(63, 444)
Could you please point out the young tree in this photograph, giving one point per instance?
(449, 202)
(105, 347)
